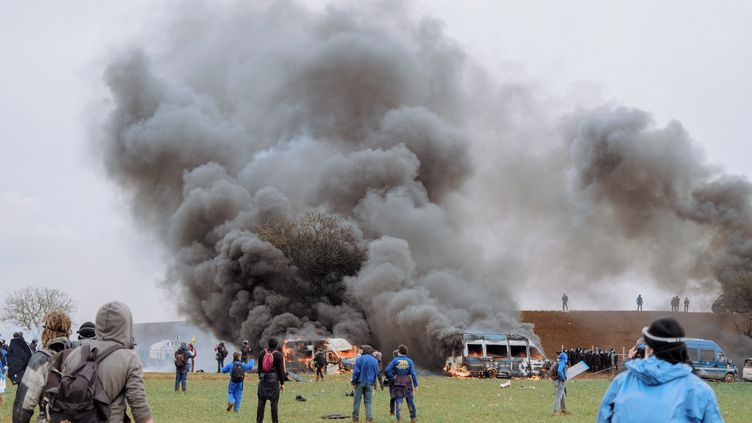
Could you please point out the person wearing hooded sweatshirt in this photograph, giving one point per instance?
(121, 373)
(57, 329)
(235, 388)
(560, 405)
(18, 357)
(660, 388)
(182, 366)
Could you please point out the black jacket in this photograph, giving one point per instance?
(19, 354)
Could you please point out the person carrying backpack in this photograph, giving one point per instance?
(319, 360)
(237, 370)
(221, 354)
(31, 392)
(18, 357)
(117, 369)
(271, 371)
(559, 377)
(182, 355)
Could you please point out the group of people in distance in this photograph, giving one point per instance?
(675, 301)
(658, 387)
(56, 380)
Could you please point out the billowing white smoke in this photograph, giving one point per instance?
(254, 113)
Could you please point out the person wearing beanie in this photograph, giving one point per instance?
(56, 330)
(661, 387)
(86, 331)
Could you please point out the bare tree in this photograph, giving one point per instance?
(28, 306)
(323, 248)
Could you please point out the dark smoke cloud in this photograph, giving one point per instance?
(275, 111)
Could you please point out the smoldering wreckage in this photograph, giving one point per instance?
(316, 181)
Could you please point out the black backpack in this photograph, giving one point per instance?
(79, 396)
(238, 373)
(553, 372)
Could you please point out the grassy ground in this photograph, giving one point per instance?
(439, 399)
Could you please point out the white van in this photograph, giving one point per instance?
(747, 370)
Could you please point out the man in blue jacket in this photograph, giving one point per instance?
(237, 370)
(364, 376)
(560, 405)
(660, 388)
(402, 373)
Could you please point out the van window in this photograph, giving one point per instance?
(707, 355)
(474, 350)
(496, 350)
(519, 351)
(692, 352)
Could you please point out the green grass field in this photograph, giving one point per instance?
(439, 399)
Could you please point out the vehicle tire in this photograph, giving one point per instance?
(729, 378)
(544, 375)
(492, 373)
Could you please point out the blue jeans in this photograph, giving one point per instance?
(235, 394)
(181, 378)
(561, 395)
(362, 390)
(410, 406)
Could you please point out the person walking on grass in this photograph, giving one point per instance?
(560, 382)
(182, 355)
(639, 302)
(401, 371)
(363, 381)
(237, 370)
(271, 371)
(686, 304)
(319, 361)
(660, 388)
(564, 302)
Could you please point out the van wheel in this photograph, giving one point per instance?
(729, 377)
(544, 375)
(492, 373)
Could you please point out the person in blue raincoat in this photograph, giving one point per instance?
(237, 370)
(560, 403)
(401, 371)
(660, 388)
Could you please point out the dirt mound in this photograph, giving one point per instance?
(620, 329)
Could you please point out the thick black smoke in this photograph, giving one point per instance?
(252, 114)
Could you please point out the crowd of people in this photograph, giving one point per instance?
(596, 359)
(91, 378)
(56, 380)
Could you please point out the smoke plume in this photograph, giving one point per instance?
(274, 112)
(248, 114)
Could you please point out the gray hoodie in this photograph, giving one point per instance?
(122, 372)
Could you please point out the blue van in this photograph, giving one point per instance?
(709, 360)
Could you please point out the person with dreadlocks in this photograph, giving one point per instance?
(660, 388)
(57, 329)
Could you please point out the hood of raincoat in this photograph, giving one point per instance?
(115, 323)
(562, 356)
(654, 371)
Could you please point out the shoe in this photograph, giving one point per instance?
(229, 406)
(356, 419)
(556, 413)
(413, 420)
(566, 413)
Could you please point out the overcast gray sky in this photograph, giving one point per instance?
(63, 225)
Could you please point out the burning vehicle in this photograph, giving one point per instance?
(494, 355)
(299, 353)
